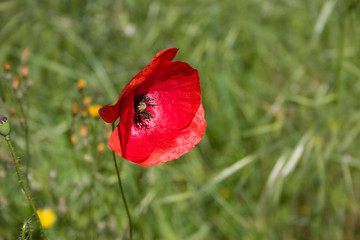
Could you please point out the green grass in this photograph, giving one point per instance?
(280, 85)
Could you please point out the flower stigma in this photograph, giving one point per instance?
(141, 107)
(142, 114)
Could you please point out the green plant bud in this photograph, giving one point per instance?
(4, 126)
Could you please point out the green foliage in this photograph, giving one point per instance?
(280, 84)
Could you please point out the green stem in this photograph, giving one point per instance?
(26, 225)
(122, 191)
(23, 232)
(21, 182)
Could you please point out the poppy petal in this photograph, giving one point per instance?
(109, 113)
(151, 148)
(177, 95)
(132, 143)
(128, 141)
(138, 150)
(164, 56)
(173, 144)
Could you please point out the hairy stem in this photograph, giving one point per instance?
(26, 229)
(21, 182)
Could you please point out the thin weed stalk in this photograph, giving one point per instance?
(122, 191)
(22, 185)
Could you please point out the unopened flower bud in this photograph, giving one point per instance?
(4, 126)
(7, 67)
(75, 109)
(24, 55)
(86, 100)
(73, 139)
(81, 84)
(15, 83)
(84, 130)
(24, 72)
(84, 112)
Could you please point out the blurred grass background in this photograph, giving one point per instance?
(280, 83)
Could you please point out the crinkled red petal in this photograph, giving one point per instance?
(147, 149)
(176, 92)
(109, 113)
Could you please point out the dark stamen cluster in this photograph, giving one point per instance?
(142, 115)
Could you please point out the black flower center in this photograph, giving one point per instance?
(142, 115)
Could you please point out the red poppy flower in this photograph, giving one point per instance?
(160, 110)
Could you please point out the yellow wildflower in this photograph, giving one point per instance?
(94, 110)
(47, 217)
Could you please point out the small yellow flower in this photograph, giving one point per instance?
(94, 110)
(47, 217)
